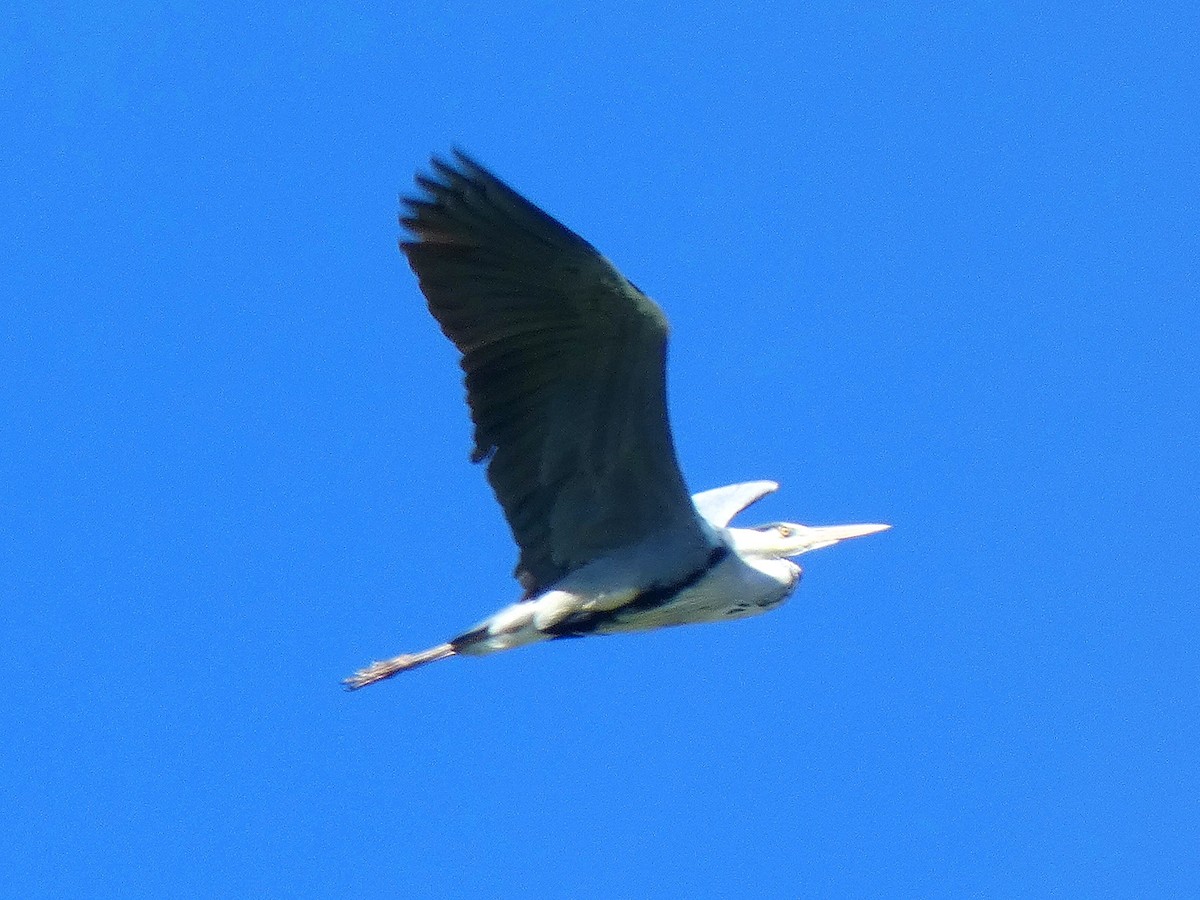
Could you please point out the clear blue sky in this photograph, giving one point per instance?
(934, 265)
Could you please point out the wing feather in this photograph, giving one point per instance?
(565, 373)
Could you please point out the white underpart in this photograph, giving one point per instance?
(754, 577)
(735, 588)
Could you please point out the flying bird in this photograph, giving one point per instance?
(566, 384)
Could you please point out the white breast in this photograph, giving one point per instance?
(734, 589)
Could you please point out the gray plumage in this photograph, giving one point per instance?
(565, 365)
(551, 334)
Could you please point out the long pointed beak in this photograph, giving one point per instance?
(820, 536)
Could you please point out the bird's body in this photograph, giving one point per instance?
(635, 591)
(564, 363)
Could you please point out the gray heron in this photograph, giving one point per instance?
(566, 384)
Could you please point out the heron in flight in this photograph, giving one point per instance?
(565, 375)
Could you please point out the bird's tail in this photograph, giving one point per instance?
(377, 671)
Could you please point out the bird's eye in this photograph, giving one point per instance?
(784, 530)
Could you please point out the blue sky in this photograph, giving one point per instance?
(925, 264)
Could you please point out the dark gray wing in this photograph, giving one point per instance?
(565, 373)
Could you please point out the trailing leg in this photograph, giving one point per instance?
(386, 668)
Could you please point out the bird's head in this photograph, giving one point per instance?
(783, 539)
(778, 540)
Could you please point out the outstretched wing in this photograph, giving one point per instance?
(720, 505)
(565, 373)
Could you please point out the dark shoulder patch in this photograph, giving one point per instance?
(584, 623)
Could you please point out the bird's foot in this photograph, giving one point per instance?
(386, 668)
